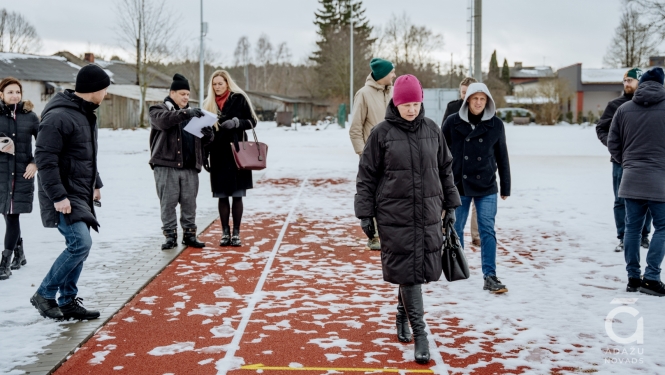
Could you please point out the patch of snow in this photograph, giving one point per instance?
(172, 349)
(222, 331)
(227, 292)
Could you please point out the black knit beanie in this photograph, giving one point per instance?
(91, 78)
(655, 74)
(179, 83)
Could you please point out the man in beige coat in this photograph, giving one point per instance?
(369, 109)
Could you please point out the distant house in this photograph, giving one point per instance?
(40, 76)
(44, 76)
(592, 88)
(524, 78)
(303, 109)
(121, 108)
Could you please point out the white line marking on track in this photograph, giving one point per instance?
(439, 367)
(229, 362)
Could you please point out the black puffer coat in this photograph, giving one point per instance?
(224, 174)
(405, 181)
(21, 125)
(66, 156)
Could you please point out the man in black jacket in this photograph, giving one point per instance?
(66, 157)
(636, 142)
(176, 159)
(452, 108)
(630, 81)
(477, 139)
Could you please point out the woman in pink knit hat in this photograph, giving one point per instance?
(405, 182)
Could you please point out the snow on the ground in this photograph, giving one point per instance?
(560, 213)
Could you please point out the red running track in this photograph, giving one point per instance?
(300, 296)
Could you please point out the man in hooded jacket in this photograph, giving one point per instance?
(477, 139)
(66, 157)
(636, 141)
(630, 81)
(369, 109)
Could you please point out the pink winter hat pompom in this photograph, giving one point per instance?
(407, 89)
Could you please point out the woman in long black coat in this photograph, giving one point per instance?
(236, 115)
(17, 169)
(405, 181)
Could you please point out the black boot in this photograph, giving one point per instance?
(226, 237)
(5, 272)
(171, 239)
(75, 310)
(189, 238)
(402, 322)
(633, 285)
(412, 299)
(19, 256)
(235, 239)
(47, 308)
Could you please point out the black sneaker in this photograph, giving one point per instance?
(645, 242)
(633, 285)
(493, 284)
(619, 247)
(235, 241)
(653, 287)
(48, 308)
(75, 310)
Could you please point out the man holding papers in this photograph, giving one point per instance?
(176, 157)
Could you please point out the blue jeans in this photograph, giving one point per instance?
(636, 213)
(620, 206)
(486, 210)
(65, 271)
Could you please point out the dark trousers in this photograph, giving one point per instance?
(177, 186)
(636, 210)
(620, 206)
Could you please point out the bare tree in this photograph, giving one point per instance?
(243, 57)
(406, 43)
(146, 28)
(17, 34)
(264, 56)
(633, 41)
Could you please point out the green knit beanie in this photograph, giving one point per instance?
(380, 68)
(635, 73)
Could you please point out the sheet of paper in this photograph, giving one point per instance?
(197, 123)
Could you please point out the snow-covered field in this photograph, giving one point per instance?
(560, 212)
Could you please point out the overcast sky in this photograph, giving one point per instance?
(535, 32)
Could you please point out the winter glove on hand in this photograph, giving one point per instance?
(368, 227)
(194, 112)
(208, 134)
(449, 219)
(230, 124)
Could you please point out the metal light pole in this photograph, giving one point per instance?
(351, 65)
(478, 39)
(204, 31)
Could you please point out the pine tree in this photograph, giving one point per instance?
(505, 72)
(332, 54)
(494, 67)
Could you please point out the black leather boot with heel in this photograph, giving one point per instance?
(5, 272)
(412, 299)
(402, 322)
(226, 237)
(19, 256)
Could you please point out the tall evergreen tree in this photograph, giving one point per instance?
(505, 72)
(494, 67)
(332, 55)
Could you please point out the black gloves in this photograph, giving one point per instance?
(230, 124)
(194, 112)
(208, 135)
(368, 227)
(449, 219)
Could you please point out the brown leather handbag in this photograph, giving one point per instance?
(250, 155)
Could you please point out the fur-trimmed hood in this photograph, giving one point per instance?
(22, 107)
